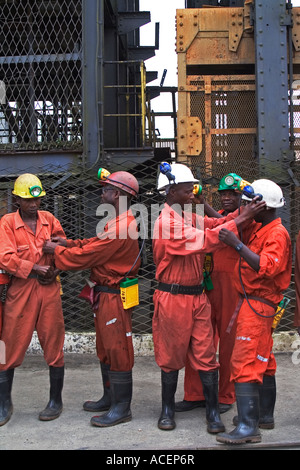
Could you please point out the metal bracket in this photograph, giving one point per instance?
(236, 28)
(190, 136)
(187, 28)
(249, 16)
(296, 28)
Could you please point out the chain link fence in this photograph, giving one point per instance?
(41, 69)
(73, 197)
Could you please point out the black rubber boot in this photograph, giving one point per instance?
(224, 407)
(247, 430)
(267, 399)
(168, 389)
(187, 405)
(55, 405)
(210, 384)
(6, 406)
(104, 403)
(121, 395)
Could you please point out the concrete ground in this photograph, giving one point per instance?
(72, 431)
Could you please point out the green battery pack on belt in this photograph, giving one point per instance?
(280, 311)
(129, 291)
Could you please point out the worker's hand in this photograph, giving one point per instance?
(41, 270)
(59, 241)
(228, 237)
(253, 208)
(249, 211)
(199, 199)
(49, 277)
(49, 247)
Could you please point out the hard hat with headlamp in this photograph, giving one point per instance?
(232, 181)
(268, 191)
(120, 179)
(174, 173)
(28, 186)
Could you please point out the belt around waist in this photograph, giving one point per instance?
(109, 290)
(179, 289)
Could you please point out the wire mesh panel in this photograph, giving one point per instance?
(40, 55)
(74, 197)
(226, 106)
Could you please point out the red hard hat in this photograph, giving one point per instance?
(124, 181)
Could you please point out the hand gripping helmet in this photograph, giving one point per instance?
(28, 186)
(121, 179)
(270, 191)
(178, 173)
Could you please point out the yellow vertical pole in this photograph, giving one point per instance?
(143, 101)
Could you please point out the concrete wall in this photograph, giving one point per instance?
(84, 343)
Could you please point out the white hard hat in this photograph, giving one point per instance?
(270, 191)
(181, 173)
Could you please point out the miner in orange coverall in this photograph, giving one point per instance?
(110, 255)
(182, 326)
(223, 298)
(33, 298)
(297, 285)
(261, 277)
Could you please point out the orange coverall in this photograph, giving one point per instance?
(223, 298)
(252, 356)
(110, 256)
(29, 304)
(181, 323)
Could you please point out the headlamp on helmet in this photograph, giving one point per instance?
(248, 191)
(229, 180)
(35, 191)
(197, 189)
(103, 174)
(165, 169)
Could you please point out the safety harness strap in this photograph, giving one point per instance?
(239, 304)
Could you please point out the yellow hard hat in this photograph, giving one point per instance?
(28, 186)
